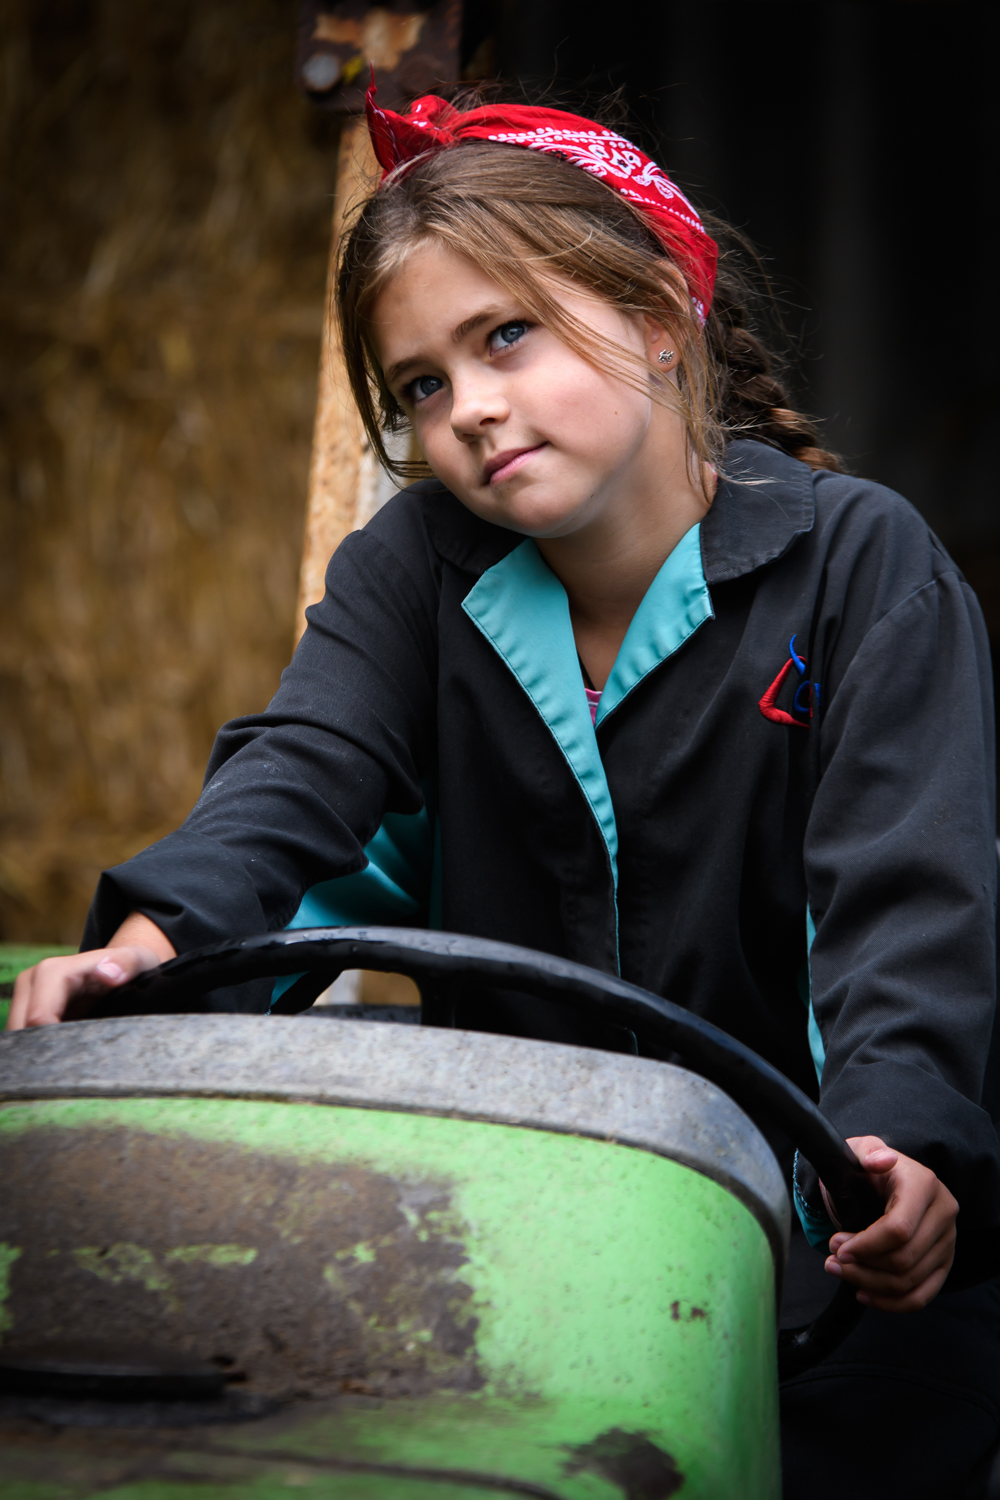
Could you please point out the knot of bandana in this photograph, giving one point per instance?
(433, 124)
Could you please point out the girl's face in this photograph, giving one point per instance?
(518, 426)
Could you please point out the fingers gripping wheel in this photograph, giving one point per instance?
(436, 960)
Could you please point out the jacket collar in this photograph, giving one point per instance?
(521, 608)
(459, 536)
(764, 501)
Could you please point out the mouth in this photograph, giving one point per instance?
(502, 465)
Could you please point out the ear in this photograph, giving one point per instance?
(664, 346)
(669, 333)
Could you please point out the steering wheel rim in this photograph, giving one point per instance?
(436, 960)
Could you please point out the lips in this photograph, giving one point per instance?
(502, 465)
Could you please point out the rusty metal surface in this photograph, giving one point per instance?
(637, 1467)
(413, 48)
(473, 1307)
(171, 1461)
(510, 1080)
(256, 1262)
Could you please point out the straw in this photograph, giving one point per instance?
(166, 208)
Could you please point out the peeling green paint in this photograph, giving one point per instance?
(213, 1255)
(131, 1262)
(8, 1255)
(334, 1278)
(127, 1262)
(363, 1254)
(124, 1262)
(614, 1290)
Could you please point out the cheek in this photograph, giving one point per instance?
(440, 446)
(593, 413)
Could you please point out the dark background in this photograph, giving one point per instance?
(856, 144)
(165, 207)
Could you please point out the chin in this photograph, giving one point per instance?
(544, 526)
(531, 518)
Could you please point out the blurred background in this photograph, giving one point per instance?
(166, 190)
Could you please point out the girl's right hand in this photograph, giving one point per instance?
(43, 993)
(901, 1262)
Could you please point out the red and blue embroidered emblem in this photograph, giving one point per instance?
(806, 690)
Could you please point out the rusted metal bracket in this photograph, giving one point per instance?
(412, 46)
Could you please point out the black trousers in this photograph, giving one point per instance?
(908, 1406)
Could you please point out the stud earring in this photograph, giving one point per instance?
(665, 356)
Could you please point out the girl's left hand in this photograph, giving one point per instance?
(900, 1262)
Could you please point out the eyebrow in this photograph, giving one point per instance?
(476, 321)
(467, 326)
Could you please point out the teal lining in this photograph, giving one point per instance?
(399, 887)
(521, 608)
(816, 1223)
(676, 604)
(816, 1046)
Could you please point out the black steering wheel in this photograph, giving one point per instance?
(439, 960)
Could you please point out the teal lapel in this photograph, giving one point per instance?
(521, 608)
(676, 603)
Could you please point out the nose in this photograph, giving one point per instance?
(478, 402)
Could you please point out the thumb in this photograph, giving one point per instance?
(119, 965)
(880, 1161)
(112, 971)
(872, 1153)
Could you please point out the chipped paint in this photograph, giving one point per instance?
(630, 1460)
(348, 1276)
(213, 1255)
(495, 1299)
(362, 1253)
(123, 1262)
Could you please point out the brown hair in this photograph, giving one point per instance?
(525, 217)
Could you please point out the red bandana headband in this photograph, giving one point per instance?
(433, 124)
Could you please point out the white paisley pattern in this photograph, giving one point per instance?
(604, 154)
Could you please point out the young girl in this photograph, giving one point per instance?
(638, 677)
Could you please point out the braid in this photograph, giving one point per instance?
(751, 400)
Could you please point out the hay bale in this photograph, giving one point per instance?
(166, 202)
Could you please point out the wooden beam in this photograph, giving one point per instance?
(411, 47)
(346, 486)
(342, 470)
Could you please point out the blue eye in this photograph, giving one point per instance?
(424, 386)
(507, 334)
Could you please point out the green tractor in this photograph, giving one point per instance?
(257, 1256)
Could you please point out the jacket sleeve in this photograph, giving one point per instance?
(901, 864)
(293, 795)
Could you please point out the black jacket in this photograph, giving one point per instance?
(797, 739)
